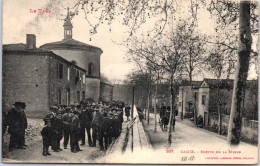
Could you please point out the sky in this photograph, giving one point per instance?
(48, 27)
(18, 21)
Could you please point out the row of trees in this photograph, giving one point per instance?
(181, 51)
(173, 47)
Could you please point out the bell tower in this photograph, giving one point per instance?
(67, 27)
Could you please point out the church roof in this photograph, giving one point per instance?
(70, 44)
(67, 21)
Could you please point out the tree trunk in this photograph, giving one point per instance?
(244, 48)
(219, 120)
(155, 108)
(182, 103)
(148, 106)
(145, 113)
(172, 116)
(219, 96)
(190, 66)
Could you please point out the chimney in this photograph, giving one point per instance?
(30, 41)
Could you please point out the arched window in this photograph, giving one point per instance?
(90, 69)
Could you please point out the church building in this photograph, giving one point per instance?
(80, 54)
(59, 73)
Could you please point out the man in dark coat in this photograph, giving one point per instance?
(110, 136)
(75, 132)
(25, 123)
(105, 131)
(46, 136)
(58, 127)
(127, 112)
(115, 125)
(85, 123)
(54, 130)
(121, 119)
(67, 123)
(16, 126)
(96, 125)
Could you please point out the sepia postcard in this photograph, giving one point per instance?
(130, 81)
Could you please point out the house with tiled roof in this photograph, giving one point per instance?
(40, 78)
(216, 95)
(187, 97)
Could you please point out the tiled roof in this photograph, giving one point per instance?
(222, 83)
(21, 47)
(226, 83)
(70, 44)
(194, 84)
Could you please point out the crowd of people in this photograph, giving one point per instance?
(101, 122)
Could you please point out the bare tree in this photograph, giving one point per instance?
(132, 14)
(166, 52)
(240, 15)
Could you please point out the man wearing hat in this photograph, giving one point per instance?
(25, 123)
(75, 133)
(115, 125)
(120, 117)
(110, 136)
(96, 125)
(58, 123)
(52, 113)
(127, 112)
(67, 121)
(46, 136)
(16, 126)
(85, 118)
(54, 132)
(106, 128)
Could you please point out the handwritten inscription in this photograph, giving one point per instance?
(188, 158)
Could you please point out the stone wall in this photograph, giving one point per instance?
(106, 92)
(249, 130)
(32, 78)
(93, 88)
(25, 79)
(123, 93)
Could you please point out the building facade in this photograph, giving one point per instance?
(81, 54)
(39, 78)
(58, 73)
(188, 97)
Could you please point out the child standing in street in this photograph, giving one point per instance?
(46, 136)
